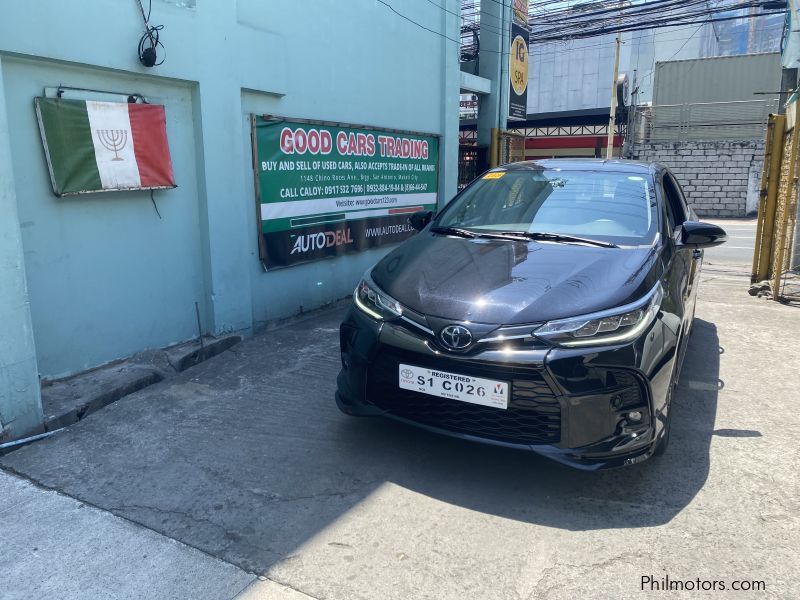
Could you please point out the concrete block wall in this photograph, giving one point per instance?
(719, 178)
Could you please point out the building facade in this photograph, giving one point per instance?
(91, 278)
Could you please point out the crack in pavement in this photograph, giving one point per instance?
(535, 593)
(38, 484)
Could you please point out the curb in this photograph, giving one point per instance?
(67, 401)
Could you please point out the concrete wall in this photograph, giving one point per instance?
(20, 405)
(107, 277)
(720, 179)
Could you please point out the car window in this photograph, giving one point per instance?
(681, 197)
(676, 205)
(614, 206)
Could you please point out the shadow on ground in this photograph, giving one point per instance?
(246, 456)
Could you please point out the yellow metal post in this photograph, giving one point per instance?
(783, 234)
(766, 218)
(762, 198)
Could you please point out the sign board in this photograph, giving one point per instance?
(468, 106)
(518, 62)
(328, 190)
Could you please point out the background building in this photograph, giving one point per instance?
(572, 53)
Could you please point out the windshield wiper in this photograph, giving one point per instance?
(497, 235)
(454, 231)
(522, 236)
(556, 237)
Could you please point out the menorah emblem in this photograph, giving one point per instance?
(113, 140)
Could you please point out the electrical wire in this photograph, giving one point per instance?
(546, 48)
(420, 25)
(592, 19)
(153, 200)
(678, 51)
(151, 36)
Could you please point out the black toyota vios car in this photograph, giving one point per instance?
(547, 307)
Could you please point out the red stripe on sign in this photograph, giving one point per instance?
(405, 209)
(149, 131)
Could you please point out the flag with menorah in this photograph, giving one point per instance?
(104, 146)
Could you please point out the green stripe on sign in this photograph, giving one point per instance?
(68, 137)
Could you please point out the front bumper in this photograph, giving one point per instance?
(568, 405)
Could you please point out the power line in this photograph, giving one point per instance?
(544, 48)
(420, 25)
(647, 76)
(599, 18)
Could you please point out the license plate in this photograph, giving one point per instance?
(464, 388)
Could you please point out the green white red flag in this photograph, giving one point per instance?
(104, 146)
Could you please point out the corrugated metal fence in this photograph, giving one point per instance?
(707, 121)
(774, 266)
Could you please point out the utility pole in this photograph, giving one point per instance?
(493, 65)
(612, 117)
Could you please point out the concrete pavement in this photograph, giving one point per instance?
(246, 462)
(54, 546)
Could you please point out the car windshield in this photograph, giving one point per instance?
(611, 206)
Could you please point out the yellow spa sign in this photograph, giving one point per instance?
(519, 65)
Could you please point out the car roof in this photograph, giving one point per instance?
(585, 164)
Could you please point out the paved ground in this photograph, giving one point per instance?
(246, 459)
(738, 250)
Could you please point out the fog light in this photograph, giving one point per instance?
(635, 416)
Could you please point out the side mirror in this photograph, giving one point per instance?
(420, 219)
(702, 235)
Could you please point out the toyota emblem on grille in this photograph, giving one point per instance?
(456, 337)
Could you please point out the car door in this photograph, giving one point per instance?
(694, 256)
(678, 263)
(685, 265)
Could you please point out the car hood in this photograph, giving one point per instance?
(507, 282)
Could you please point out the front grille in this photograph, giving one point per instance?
(533, 415)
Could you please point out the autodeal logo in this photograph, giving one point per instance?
(324, 239)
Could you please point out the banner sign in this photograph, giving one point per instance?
(104, 146)
(327, 190)
(518, 62)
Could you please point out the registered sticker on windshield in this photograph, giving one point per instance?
(494, 175)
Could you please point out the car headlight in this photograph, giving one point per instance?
(376, 304)
(615, 326)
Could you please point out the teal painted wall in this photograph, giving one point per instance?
(20, 404)
(106, 277)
